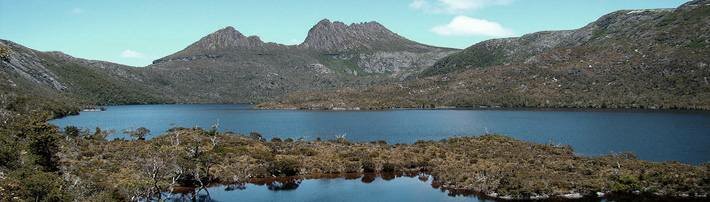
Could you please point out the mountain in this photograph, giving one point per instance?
(645, 31)
(225, 39)
(53, 81)
(223, 67)
(338, 37)
(652, 58)
(227, 66)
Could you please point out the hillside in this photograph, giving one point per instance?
(227, 66)
(631, 58)
(32, 80)
(223, 67)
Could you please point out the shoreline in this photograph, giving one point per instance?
(545, 109)
(494, 165)
(285, 183)
(463, 108)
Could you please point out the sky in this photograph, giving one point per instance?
(134, 32)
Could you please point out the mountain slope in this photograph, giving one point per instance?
(227, 66)
(34, 80)
(647, 31)
(633, 58)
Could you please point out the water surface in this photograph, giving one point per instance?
(340, 189)
(652, 135)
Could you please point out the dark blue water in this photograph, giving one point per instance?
(407, 189)
(652, 135)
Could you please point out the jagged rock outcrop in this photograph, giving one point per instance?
(225, 38)
(213, 45)
(338, 37)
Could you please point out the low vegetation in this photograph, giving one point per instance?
(84, 166)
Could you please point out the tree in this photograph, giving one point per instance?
(139, 133)
(42, 139)
(44, 146)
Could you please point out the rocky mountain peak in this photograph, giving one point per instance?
(225, 38)
(337, 36)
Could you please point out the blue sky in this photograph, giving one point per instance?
(137, 32)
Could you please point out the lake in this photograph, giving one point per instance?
(652, 135)
(339, 189)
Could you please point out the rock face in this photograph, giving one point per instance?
(53, 80)
(650, 58)
(227, 66)
(22, 61)
(339, 37)
(221, 40)
(224, 39)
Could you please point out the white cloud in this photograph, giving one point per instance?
(454, 6)
(77, 11)
(467, 26)
(131, 54)
(419, 4)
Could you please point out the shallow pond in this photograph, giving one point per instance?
(368, 188)
(652, 135)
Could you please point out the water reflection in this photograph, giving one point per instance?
(369, 187)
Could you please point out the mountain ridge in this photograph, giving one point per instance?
(332, 56)
(336, 36)
(647, 58)
(651, 58)
(332, 37)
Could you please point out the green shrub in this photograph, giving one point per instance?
(284, 167)
(626, 183)
(71, 131)
(368, 166)
(389, 167)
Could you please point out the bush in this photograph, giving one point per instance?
(284, 167)
(389, 167)
(626, 183)
(37, 185)
(139, 133)
(308, 151)
(368, 166)
(71, 131)
(44, 147)
(9, 152)
(255, 136)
